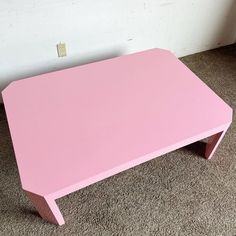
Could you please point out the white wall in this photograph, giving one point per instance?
(98, 29)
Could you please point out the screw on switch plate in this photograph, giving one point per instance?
(61, 49)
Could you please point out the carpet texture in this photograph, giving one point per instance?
(180, 193)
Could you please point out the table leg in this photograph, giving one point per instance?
(213, 144)
(46, 207)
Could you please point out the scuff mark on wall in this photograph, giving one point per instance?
(166, 4)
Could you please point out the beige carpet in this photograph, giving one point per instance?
(177, 194)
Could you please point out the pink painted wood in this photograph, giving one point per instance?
(74, 127)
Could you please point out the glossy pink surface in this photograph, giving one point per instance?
(74, 127)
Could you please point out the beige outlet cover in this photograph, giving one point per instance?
(61, 49)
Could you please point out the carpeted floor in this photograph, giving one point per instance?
(180, 193)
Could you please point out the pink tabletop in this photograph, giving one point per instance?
(73, 127)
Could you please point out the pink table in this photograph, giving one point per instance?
(74, 127)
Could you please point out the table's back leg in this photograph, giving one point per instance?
(46, 207)
(213, 144)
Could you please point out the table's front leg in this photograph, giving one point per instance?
(213, 143)
(46, 207)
